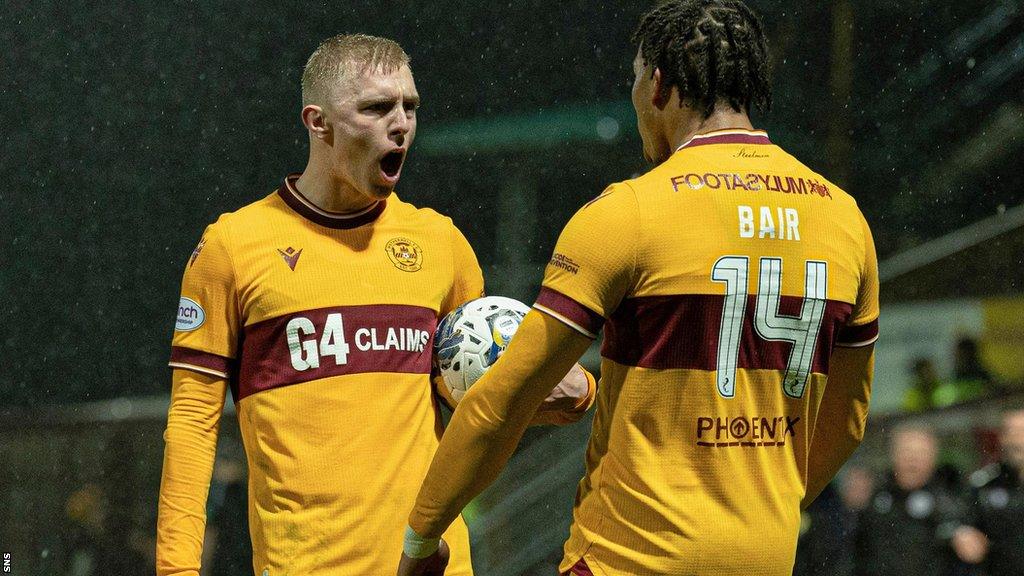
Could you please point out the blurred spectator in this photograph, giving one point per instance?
(86, 510)
(96, 545)
(995, 529)
(912, 508)
(857, 486)
(970, 379)
(967, 365)
(825, 547)
(918, 397)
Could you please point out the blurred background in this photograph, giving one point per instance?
(128, 126)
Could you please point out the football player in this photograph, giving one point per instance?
(738, 294)
(317, 306)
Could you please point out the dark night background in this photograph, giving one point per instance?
(127, 127)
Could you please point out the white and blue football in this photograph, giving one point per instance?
(470, 339)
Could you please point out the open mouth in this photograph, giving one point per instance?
(391, 163)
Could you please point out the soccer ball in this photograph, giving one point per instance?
(471, 337)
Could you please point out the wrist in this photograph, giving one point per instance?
(416, 546)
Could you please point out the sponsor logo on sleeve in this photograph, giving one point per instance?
(190, 315)
(562, 261)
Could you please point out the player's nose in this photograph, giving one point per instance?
(401, 124)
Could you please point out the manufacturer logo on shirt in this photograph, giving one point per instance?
(190, 315)
(291, 256)
(405, 254)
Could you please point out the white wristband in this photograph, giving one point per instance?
(417, 546)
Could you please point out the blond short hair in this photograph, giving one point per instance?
(344, 55)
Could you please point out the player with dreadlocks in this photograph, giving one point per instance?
(710, 52)
(732, 283)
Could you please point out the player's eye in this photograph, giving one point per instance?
(379, 107)
(412, 106)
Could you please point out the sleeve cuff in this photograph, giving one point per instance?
(858, 336)
(569, 312)
(199, 361)
(587, 401)
(416, 546)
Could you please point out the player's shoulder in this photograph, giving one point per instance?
(250, 218)
(617, 199)
(417, 216)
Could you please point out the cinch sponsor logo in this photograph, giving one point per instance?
(190, 315)
(741, 431)
(751, 183)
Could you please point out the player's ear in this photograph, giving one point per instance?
(661, 96)
(314, 121)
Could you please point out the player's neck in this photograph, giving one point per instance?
(692, 124)
(319, 185)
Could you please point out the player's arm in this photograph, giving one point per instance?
(842, 416)
(193, 421)
(843, 412)
(565, 404)
(204, 343)
(489, 423)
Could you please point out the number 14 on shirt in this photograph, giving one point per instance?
(801, 331)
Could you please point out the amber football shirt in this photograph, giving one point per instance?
(323, 326)
(723, 279)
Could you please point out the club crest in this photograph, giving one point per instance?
(405, 254)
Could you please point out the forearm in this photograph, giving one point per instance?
(190, 446)
(491, 418)
(842, 417)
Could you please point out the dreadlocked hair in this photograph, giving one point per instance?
(710, 50)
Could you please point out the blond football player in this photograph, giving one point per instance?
(738, 294)
(316, 306)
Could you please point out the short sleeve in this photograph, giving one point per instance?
(594, 264)
(208, 322)
(862, 327)
(468, 281)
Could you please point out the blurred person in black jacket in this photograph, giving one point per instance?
(967, 364)
(906, 528)
(994, 532)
